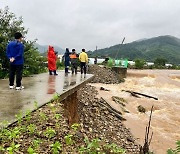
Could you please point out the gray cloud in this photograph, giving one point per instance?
(87, 23)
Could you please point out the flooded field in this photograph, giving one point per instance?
(163, 84)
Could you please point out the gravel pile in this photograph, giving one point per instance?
(103, 75)
(97, 122)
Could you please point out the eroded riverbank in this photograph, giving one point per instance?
(163, 84)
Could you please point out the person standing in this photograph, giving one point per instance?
(66, 61)
(74, 61)
(51, 60)
(83, 57)
(15, 54)
(56, 58)
(95, 60)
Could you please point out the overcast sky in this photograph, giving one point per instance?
(90, 23)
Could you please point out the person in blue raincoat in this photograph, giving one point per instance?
(66, 60)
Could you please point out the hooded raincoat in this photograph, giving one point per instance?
(51, 59)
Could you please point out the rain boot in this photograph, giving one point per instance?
(50, 72)
(55, 72)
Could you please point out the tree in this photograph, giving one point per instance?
(9, 24)
(160, 62)
(139, 63)
(34, 62)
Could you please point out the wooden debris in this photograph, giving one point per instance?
(118, 100)
(135, 94)
(118, 114)
(145, 148)
(124, 110)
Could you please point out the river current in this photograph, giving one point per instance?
(163, 84)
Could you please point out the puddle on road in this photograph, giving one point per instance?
(39, 88)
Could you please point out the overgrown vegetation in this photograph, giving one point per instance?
(175, 151)
(59, 65)
(9, 24)
(139, 63)
(46, 131)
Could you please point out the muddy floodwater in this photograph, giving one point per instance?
(163, 84)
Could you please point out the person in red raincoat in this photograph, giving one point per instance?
(52, 60)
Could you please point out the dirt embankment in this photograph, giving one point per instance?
(98, 122)
(103, 75)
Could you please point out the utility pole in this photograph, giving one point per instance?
(119, 47)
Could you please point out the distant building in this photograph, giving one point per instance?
(168, 65)
(131, 62)
(149, 63)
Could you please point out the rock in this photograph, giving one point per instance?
(141, 109)
(90, 129)
(129, 139)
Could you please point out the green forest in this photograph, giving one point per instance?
(165, 47)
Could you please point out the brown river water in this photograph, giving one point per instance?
(165, 124)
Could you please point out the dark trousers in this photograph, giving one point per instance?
(66, 69)
(83, 67)
(74, 68)
(15, 70)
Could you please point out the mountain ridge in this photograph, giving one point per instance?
(167, 47)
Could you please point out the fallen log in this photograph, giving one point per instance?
(133, 93)
(106, 103)
(119, 100)
(112, 111)
(124, 110)
(114, 98)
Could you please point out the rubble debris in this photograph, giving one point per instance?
(103, 75)
(102, 123)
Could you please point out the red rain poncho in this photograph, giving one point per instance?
(51, 59)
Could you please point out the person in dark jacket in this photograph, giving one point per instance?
(66, 60)
(74, 61)
(15, 54)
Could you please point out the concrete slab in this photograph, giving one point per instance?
(39, 88)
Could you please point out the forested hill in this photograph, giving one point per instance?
(167, 47)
